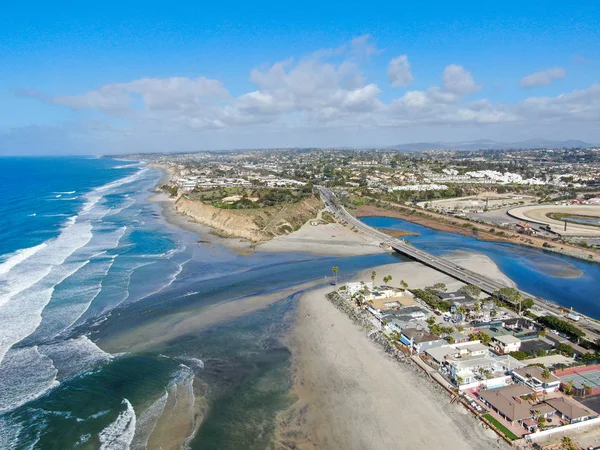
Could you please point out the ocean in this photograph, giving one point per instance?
(83, 257)
(104, 341)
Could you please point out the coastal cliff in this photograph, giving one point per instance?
(255, 225)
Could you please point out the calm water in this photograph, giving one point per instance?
(533, 270)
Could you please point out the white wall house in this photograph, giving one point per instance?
(533, 378)
(506, 344)
(353, 288)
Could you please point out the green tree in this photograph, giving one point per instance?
(569, 387)
(541, 422)
(470, 290)
(567, 443)
(509, 295)
(527, 303)
(373, 275)
(335, 270)
(439, 287)
(481, 336)
(387, 279)
(403, 284)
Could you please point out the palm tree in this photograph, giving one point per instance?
(546, 375)
(404, 285)
(373, 275)
(569, 387)
(387, 279)
(335, 270)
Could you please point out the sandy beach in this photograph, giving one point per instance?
(419, 276)
(351, 395)
(327, 239)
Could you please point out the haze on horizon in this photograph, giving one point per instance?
(114, 78)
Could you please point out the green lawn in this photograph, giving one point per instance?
(509, 434)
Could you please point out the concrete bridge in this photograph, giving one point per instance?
(400, 246)
(588, 325)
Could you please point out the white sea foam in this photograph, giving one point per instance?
(193, 363)
(72, 357)
(146, 423)
(26, 374)
(21, 314)
(18, 257)
(9, 432)
(119, 434)
(64, 192)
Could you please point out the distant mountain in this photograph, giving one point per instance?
(487, 144)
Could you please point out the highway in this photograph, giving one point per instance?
(460, 273)
(587, 324)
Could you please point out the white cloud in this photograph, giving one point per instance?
(156, 94)
(543, 78)
(459, 81)
(399, 71)
(323, 92)
(579, 105)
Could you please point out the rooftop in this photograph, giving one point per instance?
(419, 336)
(535, 372)
(569, 408)
(508, 401)
(507, 339)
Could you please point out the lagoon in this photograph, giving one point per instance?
(566, 281)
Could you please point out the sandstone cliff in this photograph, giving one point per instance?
(254, 225)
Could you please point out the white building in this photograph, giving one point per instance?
(355, 287)
(506, 344)
(533, 378)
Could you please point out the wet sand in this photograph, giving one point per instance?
(172, 326)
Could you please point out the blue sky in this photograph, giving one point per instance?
(82, 77)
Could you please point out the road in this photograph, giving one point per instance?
(588, 325)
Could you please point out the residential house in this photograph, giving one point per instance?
(532, 377)
(506, 344)
(354, 288)
(570, 410)
(419, 340)
(484, 369)
(511, 404)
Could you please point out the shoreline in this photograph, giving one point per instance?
(351, 394)
(326, 239)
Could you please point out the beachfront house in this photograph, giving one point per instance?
(570, 410)
(480, 370)
(419, 340)
(505, 344)
(511, 403)
(533, 378)
(356, 287)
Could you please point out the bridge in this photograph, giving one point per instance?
(400, 246)
(487, 285)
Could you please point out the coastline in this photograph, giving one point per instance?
(323, 239)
